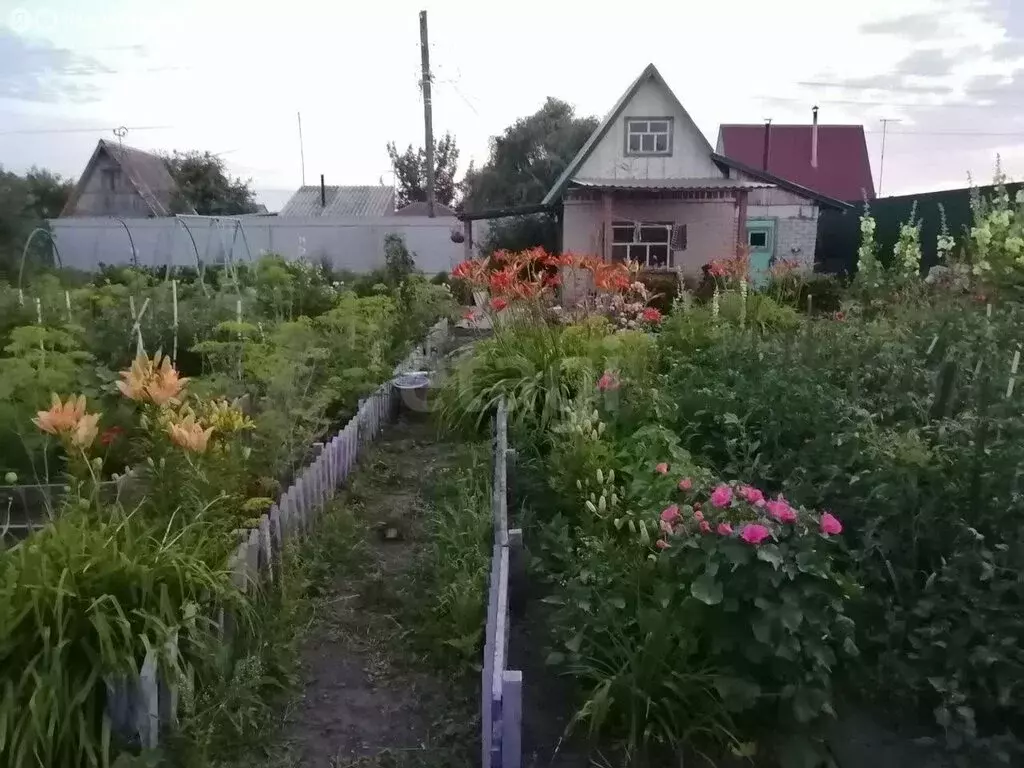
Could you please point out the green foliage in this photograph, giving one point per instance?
(84, 602)
(524, 163)
(410, 169)
(26, 202)
(399, 264)
(815, 293)
(901, 425)
(86, 597)
(538, 369)
(456, 564)
(205, 185)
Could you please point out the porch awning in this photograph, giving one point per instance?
(672, 185)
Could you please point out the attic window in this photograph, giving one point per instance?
(111, 178)
(648, 135)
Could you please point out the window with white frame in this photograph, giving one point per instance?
(649, 243)
(648, 135)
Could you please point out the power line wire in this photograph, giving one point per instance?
(104, 129)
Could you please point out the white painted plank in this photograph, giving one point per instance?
(512, 719)
(266, 562)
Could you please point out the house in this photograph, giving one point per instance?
(335, 201)
(830, 159)
(126, 182)
(647, 186)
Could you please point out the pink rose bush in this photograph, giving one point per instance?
(756, 575)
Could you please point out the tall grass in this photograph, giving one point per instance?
(456, 560)
(83, 601)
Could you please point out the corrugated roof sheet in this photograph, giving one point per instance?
(844, 168)
(341, 201)
(420, 209)
(671, 184)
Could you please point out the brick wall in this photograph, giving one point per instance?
(796, 239)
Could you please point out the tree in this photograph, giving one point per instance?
(524, 163)
(411, 172)
(205, 185)
(26, 202)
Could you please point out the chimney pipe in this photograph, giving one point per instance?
(323, 192)
(767, 143)
(814, 139)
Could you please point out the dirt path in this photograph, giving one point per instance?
(367, 700)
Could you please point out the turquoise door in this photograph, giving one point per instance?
(761, 242)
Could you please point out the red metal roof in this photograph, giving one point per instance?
(843, 172)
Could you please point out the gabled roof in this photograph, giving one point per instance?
(844, 169)
(368, 200)
(146, 172)
(727, 162)
(650, 73)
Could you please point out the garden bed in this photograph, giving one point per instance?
(760, 526)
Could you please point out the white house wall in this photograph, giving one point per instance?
(352, 243)
(689, 159)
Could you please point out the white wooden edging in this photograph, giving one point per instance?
(501, 689)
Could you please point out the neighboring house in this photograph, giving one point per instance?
(647, 186)
(336, 201)
(420, 209)
(126, 182)
(830, 159)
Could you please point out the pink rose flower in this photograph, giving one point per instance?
(698, 516)
(781, 511)
(830, 525)
(662, 468)
(608, 382)
(661, 544)
(705, 526)
(724, 529)
(752, 495)
(666, 527)
(685, 484)
(721, 496)
(754, 533)
(670, 514)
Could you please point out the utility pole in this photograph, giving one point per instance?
(881, 163)
(428, 120)
(302, 150)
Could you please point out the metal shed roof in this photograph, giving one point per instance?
(341, 201)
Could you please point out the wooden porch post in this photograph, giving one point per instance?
(741, 221)
(467, 243)
(606, 225)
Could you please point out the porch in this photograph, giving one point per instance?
(664, 224)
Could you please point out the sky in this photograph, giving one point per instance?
(231, 77)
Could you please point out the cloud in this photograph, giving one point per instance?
(914, 25)
(40, 71)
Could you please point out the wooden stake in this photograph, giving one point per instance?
(174, 304)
